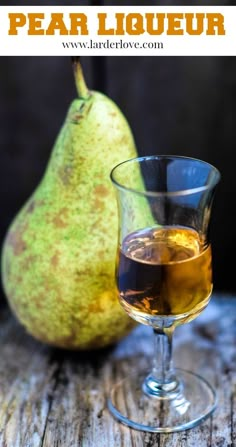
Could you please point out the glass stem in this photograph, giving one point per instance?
(162, 381)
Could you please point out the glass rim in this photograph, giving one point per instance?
(182, 192)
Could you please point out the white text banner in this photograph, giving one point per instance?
(118, 30)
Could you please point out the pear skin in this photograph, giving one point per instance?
(58, 257)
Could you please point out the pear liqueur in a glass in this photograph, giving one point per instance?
(164, 271)
(164, 279)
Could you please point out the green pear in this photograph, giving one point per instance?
(59, 254)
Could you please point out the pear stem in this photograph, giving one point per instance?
(81, 87)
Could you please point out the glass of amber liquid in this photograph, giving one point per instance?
(164, 279)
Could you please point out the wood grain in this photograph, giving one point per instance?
(52, 398)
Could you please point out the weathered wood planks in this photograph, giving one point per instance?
(57, 398)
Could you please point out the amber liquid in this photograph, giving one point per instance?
(164, 272)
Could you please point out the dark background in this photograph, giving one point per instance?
(175, 105)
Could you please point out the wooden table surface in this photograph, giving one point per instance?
(52, 398)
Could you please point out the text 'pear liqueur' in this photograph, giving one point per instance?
(164, 272)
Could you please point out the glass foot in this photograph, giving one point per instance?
(194, 402)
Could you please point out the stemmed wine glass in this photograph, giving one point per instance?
(164, 279)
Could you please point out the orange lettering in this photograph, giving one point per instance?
(78, 20)
(159, 29)
(120, 24)
(16, 21)
(57, 23)
(102, 25)
(174, 24)
(189, 24)
(35, 25)
(134, 24)
(215, 24)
